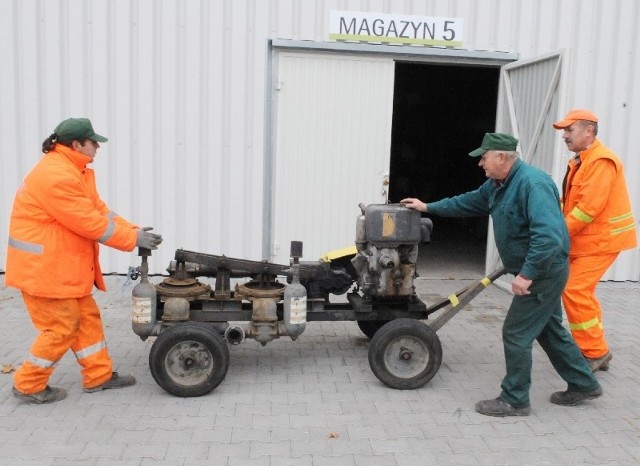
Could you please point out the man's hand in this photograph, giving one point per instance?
(520, 286)
(413, 203)
(148, 240)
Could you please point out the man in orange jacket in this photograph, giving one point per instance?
(597, 210)
(57, 223)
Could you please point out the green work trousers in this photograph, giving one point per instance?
(538, 316)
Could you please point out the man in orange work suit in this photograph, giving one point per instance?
(57, 222)
(597, 210)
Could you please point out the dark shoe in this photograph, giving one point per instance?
(116, 381)
(570, 398)
(601, 363)
(500, 408)
(48, 395)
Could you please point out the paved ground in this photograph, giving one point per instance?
(316, 402)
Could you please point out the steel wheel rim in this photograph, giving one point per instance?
(189, 363)
(406, 357)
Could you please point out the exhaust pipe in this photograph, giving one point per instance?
(234, 334)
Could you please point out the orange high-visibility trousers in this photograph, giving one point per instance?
(64, 324)
(581, 305)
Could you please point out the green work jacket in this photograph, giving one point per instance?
(529, 228)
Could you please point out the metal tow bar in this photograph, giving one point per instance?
(460, 299)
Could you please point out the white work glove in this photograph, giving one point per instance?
(148, 240)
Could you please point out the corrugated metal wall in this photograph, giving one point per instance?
(338, 157)
(179, 88)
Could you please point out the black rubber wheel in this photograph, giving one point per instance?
(370, 327)
(405, 354)
(189, 359)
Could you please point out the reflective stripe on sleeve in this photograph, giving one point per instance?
(628, 217)
(26, 246)
(111, 227)
(620, 218)
(617, 231)
(580, 215)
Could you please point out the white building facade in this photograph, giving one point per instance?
(236, 126)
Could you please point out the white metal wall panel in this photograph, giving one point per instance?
(179, 88)
(333, 143)
(176, 85)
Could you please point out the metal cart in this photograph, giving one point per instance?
(194, 322)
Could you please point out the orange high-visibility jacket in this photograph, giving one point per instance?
(57, 221)
(596, 204)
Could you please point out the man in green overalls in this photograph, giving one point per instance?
(532, 239)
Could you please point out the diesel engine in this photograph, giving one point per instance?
(387, 239)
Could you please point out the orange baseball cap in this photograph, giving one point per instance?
(573, 116)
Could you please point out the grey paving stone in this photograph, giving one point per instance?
(344, 460)
(382, 447)
(293, 434)
(316, 402)
(278, 460)
(139, 451)
(127, 462)
(259, 449)
(341, 446)
(102, 450)
(317, 446)
(238, 450)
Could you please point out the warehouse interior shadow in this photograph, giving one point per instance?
(440, 114)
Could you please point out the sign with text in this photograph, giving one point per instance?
(398, 29)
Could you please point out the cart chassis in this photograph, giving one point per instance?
(194, 324)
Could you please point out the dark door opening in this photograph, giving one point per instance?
(440, 114)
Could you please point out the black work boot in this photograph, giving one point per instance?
(571, 398)
(500, 408)
(116, 381)
(48, 395)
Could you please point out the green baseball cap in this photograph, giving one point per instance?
(495, 141)
(75, 129)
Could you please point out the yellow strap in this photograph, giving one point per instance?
(485, 281)
(454, 300)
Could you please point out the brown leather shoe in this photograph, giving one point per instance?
(48, 395)
(116, 381)
(601, 363)
(500, 408)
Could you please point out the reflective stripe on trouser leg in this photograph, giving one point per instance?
(56, 321)
(583, 309)
(90, 347)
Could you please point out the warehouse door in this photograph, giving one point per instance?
(528, 102)
(441, 112)
(332, 146)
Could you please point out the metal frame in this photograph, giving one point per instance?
(223, 305)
